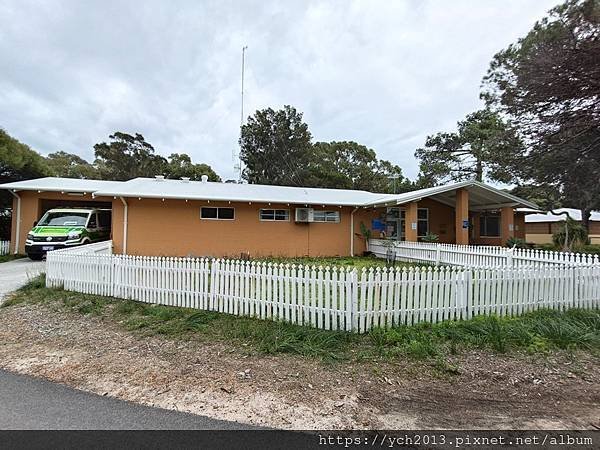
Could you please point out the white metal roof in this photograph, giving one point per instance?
(480, 195)
(575, 214)
(56, 184)
(258, 193)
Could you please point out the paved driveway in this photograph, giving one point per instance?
(28, 403)
(16, 273)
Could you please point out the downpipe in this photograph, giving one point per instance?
(18, 222)
(352, 231)
(125, 214)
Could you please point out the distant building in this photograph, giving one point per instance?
(539, 227)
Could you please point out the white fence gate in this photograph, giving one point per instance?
(4, 247)
(324, 297)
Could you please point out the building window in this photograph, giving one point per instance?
(422, 222)
(489, 226)
(326, 216)
(275, 215)
(213, 213)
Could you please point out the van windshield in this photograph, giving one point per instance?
(62, 219)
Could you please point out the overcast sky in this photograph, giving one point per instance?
(382, 73)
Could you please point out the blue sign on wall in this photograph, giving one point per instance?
(377, 225)
(465, 224)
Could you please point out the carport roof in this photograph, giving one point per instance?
(57, 184)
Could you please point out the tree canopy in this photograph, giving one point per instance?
(348, 165)
(548, 83)
(127, 157)
(181, 165)
(18, 161)
(69, 165)
(277, 148)
(480, 149)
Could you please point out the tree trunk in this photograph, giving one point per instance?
(479, 171)
(585, 219)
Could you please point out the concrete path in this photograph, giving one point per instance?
(16, 273)
(28, 403)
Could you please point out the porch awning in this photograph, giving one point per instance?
(481, 197)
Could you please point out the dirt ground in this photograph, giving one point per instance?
(224, 381)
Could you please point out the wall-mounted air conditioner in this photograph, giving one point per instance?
(304, 215)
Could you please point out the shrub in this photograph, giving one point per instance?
(430, 237)
(516, 243)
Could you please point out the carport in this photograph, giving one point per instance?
(32, 198)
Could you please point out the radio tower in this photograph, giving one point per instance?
(237, 161)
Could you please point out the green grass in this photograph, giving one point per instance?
(358, 262)
(10, 257)
(542, 331)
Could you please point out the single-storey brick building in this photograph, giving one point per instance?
(155, 216)
(539, 227)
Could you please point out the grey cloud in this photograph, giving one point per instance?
(385, 74)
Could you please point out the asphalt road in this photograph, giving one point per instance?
(28, 403)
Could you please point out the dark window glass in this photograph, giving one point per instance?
(104, 219)
(208, 213)
(422, 228)
(225, 213)
(422, 213)
(489, 226)
(92, 222)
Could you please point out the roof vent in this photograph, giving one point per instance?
(185, 179)
(159, 177)
(204, 178)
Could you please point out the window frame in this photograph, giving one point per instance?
(426, 220)
(338, 217)
(401, 220)
(274, 219)
(484, 218)
(217, 208)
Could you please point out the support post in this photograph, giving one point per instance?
(411, 222)
(461, 216)
(507, 224)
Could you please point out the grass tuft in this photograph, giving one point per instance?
(540, 331)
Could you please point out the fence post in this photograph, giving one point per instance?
(354, 300)
(213, 282)
(438, 254)
(509, 257)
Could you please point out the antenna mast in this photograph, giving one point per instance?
(237, 161)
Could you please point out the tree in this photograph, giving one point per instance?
(481, 148)
(275, 147)
(17, 162)
(545, 196)
(348, 165)
(548, 84)
(181, 165)
(127, 157)
(69, 165)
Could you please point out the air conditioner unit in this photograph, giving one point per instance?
(304, 215)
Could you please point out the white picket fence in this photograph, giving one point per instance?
(476, 256)
(325, 297)
(4, 247)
